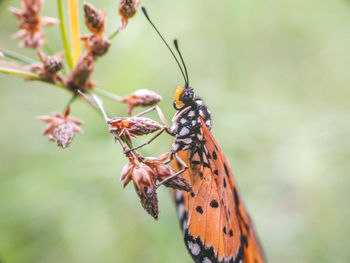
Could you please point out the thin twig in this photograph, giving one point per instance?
(108, 94)
(18, 57)
(70, 102)
(64, 34)
(100, 106)
(114, 34)
(85, 97)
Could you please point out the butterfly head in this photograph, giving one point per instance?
(184, 96)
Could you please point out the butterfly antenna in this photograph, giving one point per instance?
(182, 60)
(155, 28)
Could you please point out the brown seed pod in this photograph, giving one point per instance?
(94, 19)
(61, 128)
(133, 126)
(79, 77)
(144, 183)
(30, 23)
(141, 97)
(127, 9)
(163, 171)
(96, 45)
(51, 65)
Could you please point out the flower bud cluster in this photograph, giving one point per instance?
(133, 126)
(127, 9)
(96, 44)
(141, 97)
(144, 176)
(50, 67)
(61, 128)
(30, 23)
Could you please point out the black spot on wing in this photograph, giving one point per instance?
(199, 209)
(216, 172)
(226, 170)
(231, 233)
(214, 155)
(214, 204)
(192, 194)
(235, 194)
(225, 182)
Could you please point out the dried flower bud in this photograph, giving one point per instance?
(79, 77)
(133, 126)
(144, 183)
(30, 23)
(61, 128)
(163, 172)
(150, 203)
(62, 134)
(96, 45)
(127, 9)
(94, 19)
(51, 65)
(141, 97)
(1, 55)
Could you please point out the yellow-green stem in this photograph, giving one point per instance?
(64, 34)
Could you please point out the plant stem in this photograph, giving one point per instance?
(18, 57)
(100, 106)
(70, 102)
(108, 94)
(73, 15)
(114, 34)
(64, 34)
(20, 73)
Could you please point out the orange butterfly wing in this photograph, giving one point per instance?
(213, 217)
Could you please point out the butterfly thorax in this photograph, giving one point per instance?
(186, 126)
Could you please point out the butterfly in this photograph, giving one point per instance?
(217, 227)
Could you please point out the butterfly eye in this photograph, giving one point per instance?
(178, 104)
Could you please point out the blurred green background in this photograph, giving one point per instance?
(276, 76)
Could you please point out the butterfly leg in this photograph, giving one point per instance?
(165, 127)
(185, 167)
(160, 114)
(146, 143)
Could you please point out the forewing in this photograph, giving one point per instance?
(215, 222)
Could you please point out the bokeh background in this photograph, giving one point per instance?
(276, 76)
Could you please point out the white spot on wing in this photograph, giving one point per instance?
(194, 248)
(191, 113)
(206, 260)
(178, 195)
(184, 225)
(180, 210)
